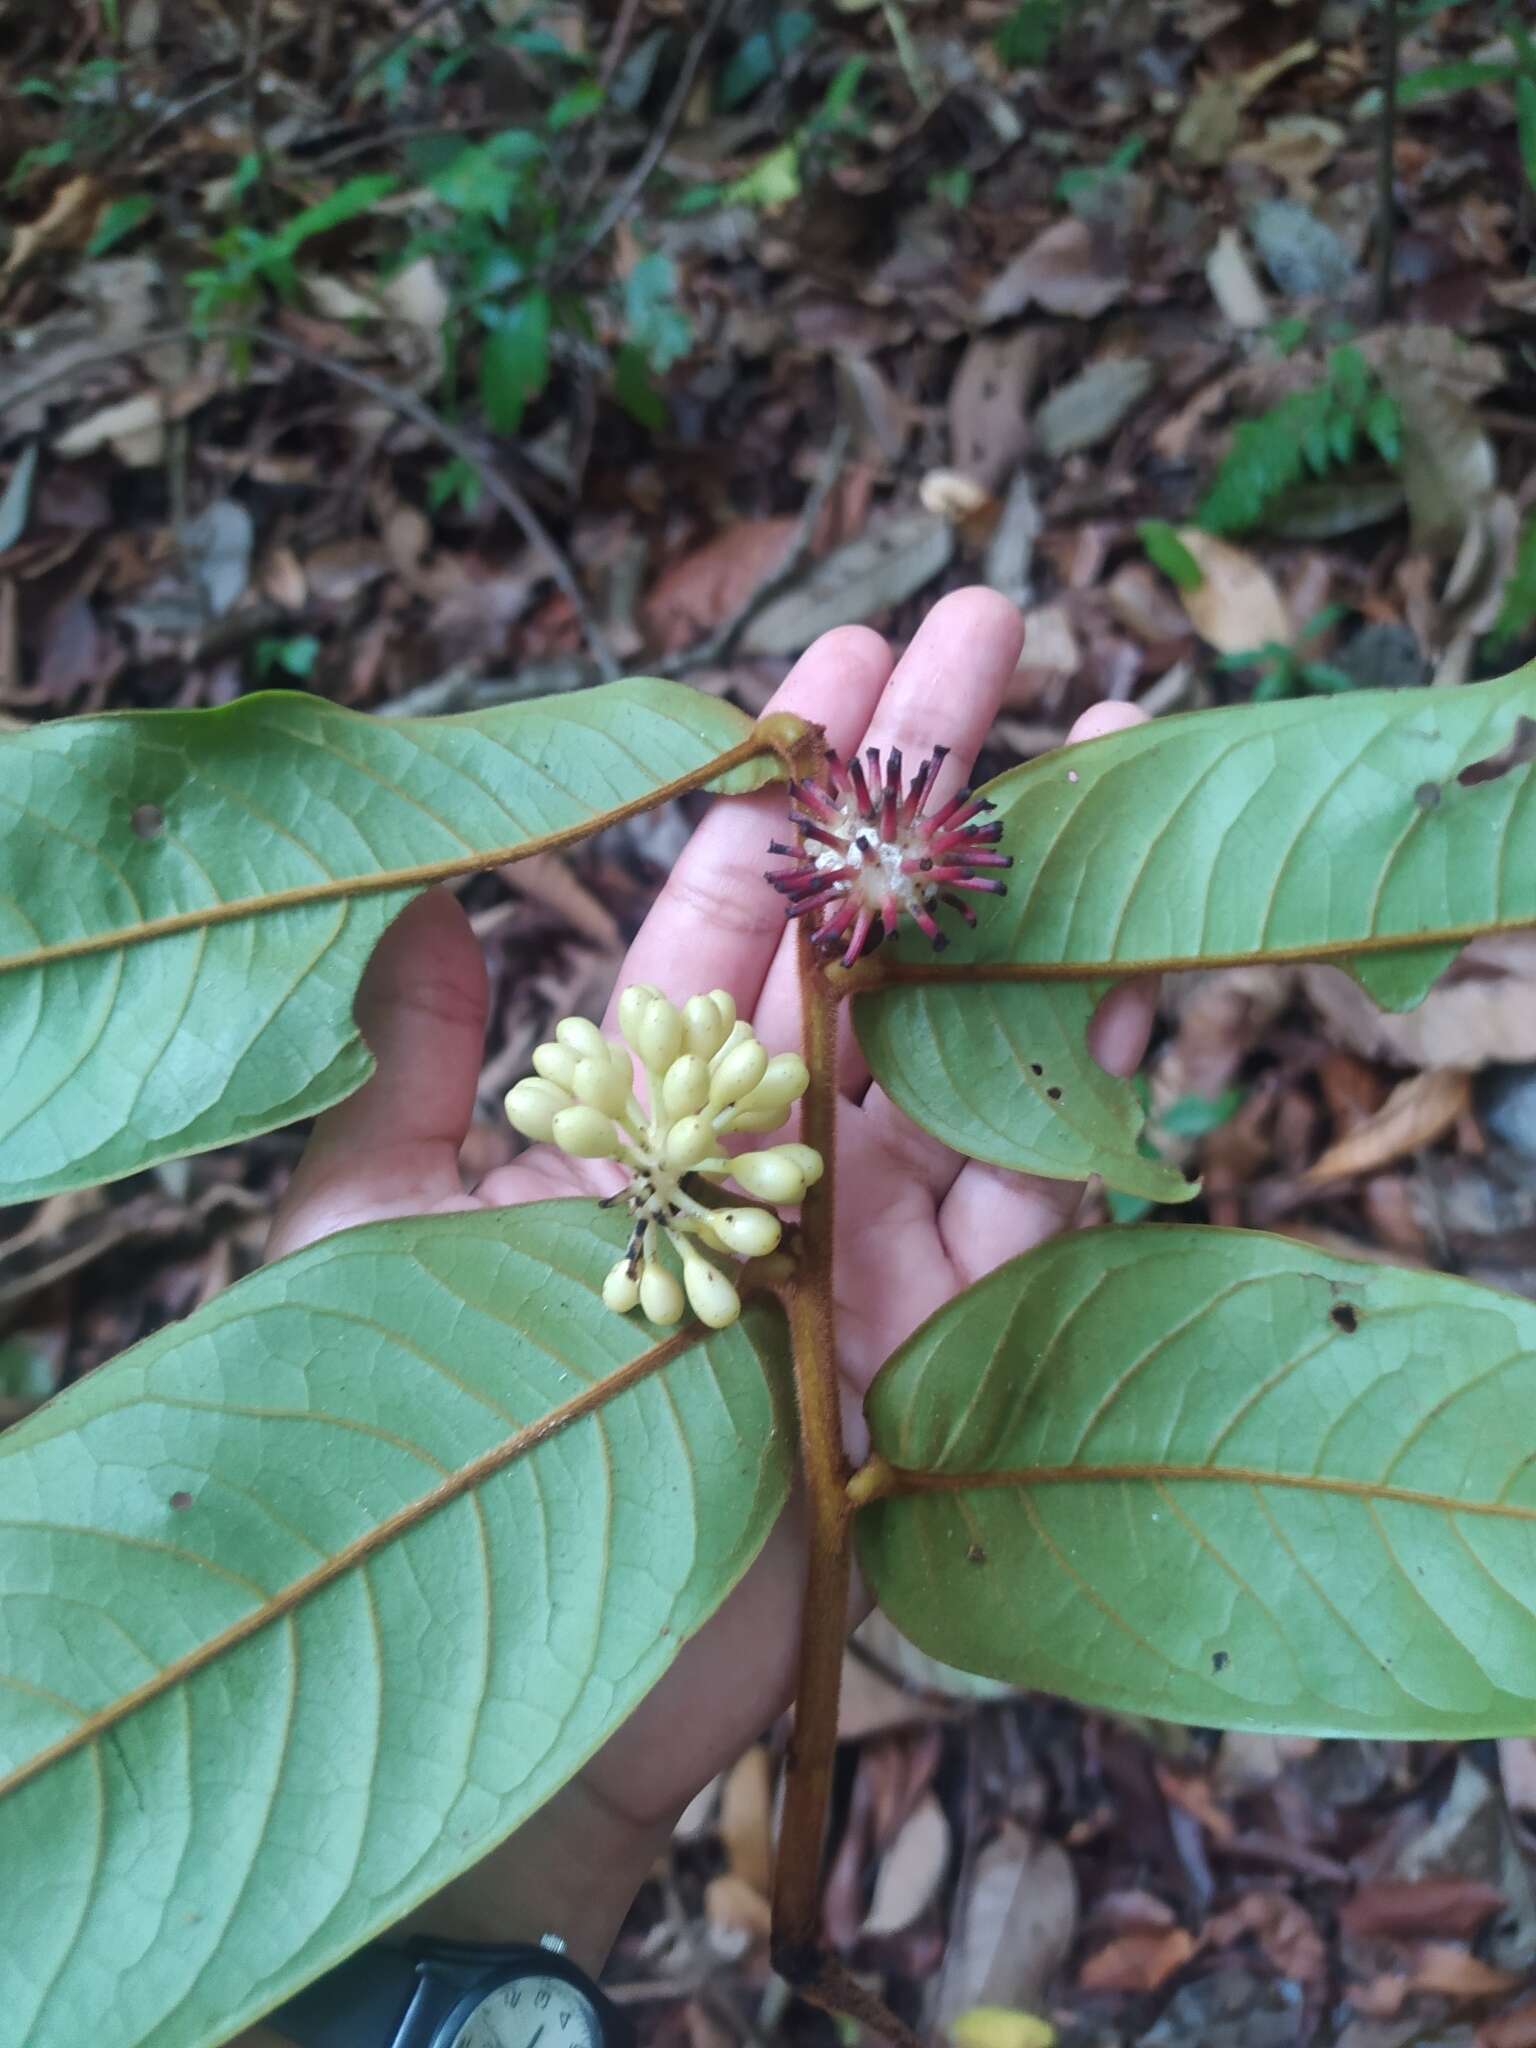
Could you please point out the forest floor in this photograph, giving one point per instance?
(657, 337)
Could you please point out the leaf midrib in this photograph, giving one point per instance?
(460, 1482)
(418, 875)
(908, 1480)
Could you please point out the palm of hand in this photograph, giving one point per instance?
(915, 1221)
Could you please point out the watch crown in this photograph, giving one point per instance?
(555, 1943)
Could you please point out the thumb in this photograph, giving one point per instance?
(392, 1149)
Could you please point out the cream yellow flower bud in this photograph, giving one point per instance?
(661, 1299)
(600, 1085)
(632, 1007)
(738, 1073)
(532, 1107)
(769, 1175)
(807, 1158)
(737, 1034)
(744, 1125)
(690, 1142)
(659, 1038)
(585, 1134)
(556, 1063)
(750, 1233)
(710, 1295)
(785, 1081)
(706, 1024)
(583, 1038)
(621, 1291)
(686, 1088)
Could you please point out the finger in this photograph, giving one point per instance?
(392, 1149)
(717, 924)
(945, 691)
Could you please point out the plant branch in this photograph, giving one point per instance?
(407, 404)
(1386, 163)
(799, 1953)
(776, 736)
(721, 643)
(629, 188)
(824, 1617)
(871, 976)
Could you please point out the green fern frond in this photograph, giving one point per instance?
(1311, 432)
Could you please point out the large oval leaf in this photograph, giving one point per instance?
(188, 898)
(308, 1601)
(1303, 829)
(1220, 1477)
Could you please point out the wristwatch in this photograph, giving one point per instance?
(455, 1994)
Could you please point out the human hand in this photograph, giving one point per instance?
(916, 1221)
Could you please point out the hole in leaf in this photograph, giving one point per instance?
(1071, 775)
(975, 1554)
(1427, 795)
(148, 821)
(1036, 1069)
(1054, 1094)
(1220, 1660)
(1522, 748)
(1344, 1318)
(181, 1498)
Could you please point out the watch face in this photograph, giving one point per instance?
(532, 2012)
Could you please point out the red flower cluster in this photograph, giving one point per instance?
(866, 855)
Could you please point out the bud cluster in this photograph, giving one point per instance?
(707, 1078)
(867, 856)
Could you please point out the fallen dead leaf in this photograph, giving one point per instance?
(734, 1907)
(1448, 1971)
(746, 1820)
(1517, 1767)
(1284, 1930)
(1235, 284)
(989, 400)
(894, 560)
(1401, 1909)
(1448, 465)
(1067, 268)
(911, 1870)
(1013, 1928)
(705, 587)
(1237, 607)
(68, 219)
(1138, 1962)
(1481, 1012)
(1418, 1112)
(1090, 406)
(1513, 2029)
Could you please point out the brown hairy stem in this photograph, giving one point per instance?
(799, 1953)
(824, 1620)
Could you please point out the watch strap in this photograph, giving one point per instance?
(362, 2003)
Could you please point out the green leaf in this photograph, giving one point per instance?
(571, 108)
(1221, 1478)
(1436, 81)
(118, 221)
(357, 196)
(164, 993)
(1302, 829)
(636, 390)
(657, 325)
(773, 180)
(1167, 552)
(486, 179)
(1517, 613)
(1030, 34)
(514, 361)
(311, 1599)
(758, 57)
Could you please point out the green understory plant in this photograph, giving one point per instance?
(1207, 1475)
